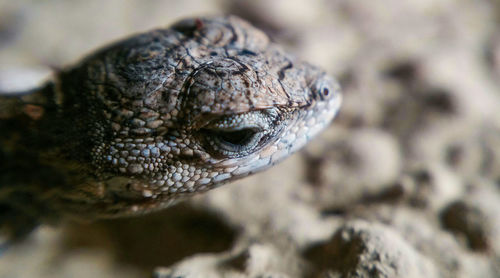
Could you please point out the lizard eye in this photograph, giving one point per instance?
(232, 140)
(235, 137)
(239, 134)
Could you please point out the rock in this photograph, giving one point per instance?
(363, 249)
(475, 219)
(364, 163)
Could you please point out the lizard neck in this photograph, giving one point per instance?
(25, 120)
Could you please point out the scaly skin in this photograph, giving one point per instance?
(155, 118)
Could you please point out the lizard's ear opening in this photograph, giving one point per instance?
(35, 112)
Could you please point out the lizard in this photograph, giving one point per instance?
(153, 119)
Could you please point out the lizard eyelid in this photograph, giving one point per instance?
(232, 141)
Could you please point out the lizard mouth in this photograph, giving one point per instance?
(116, 197)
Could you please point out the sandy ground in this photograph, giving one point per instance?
(405, 183)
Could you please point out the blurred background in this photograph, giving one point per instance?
(404, 183)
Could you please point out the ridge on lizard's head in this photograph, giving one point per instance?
(176, 111)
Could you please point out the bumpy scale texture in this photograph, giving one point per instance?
(155, 118)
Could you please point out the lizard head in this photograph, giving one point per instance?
(178, 111)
